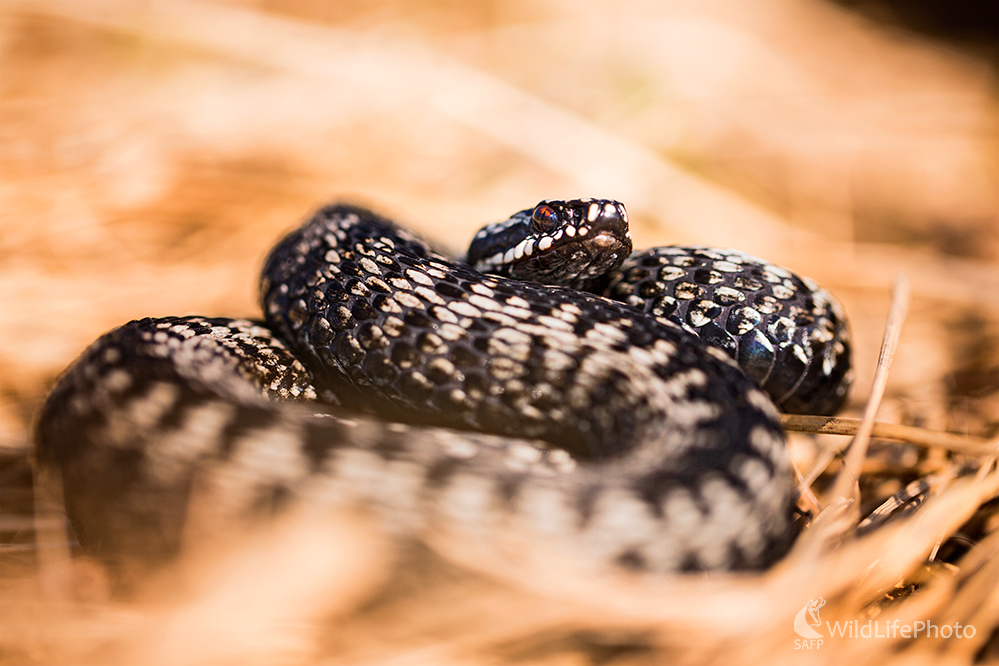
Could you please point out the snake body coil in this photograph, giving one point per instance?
(610, 435)
(783, 330)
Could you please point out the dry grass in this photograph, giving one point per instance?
(151, 152)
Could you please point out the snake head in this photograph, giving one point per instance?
(562, 242)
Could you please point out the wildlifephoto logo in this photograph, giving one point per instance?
(806, 620)
(808, 624)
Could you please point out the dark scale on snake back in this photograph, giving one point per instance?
(475, 405)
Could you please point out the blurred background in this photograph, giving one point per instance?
(151, 151)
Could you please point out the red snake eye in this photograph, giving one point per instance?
(544, 218)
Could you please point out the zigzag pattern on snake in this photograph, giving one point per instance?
(614, 437)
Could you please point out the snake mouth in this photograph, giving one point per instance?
(606, 251)
(578, 262)
(606, 241)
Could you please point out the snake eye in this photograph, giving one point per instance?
(544, 218)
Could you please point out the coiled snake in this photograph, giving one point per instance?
(443, 399)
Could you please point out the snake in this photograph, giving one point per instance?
(550, 390)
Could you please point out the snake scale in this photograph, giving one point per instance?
(446, 400)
